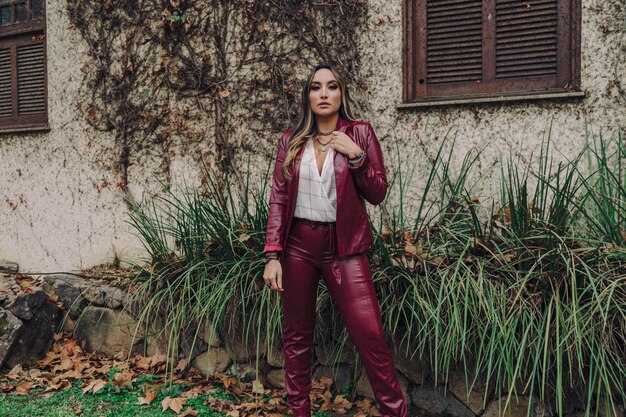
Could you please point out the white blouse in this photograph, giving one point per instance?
(317, 194)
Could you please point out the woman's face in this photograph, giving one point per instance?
(324, 93)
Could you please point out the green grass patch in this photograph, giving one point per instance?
(104, 403)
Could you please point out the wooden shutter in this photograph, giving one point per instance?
(454, 41)
(23, 79)
(526, 38)
(466, 48)
(6, 99)
(31, 84)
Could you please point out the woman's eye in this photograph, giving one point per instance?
(333, 87)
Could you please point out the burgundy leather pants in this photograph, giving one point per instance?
(311, 249)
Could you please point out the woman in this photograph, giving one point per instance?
(317, 225)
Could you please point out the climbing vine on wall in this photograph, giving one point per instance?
(194, 71)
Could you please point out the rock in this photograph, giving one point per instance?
(155, 344)
(6, 299)
(276, 357)
(67, 324)
(213, 361)
(108, 331)
(155, 335)
(70, 290)
(191, 344)
(7, 282)
(36, 337)
(26, 305)
(411, 366)
(157, 340)
(516, 407)
(7, 296)
(325, 358)
(9, 267)
(237, 351)
(76, 293)
(246, 372)
(341, 375)
(473, 400)
(10, 329)
(435, 400)
(210, 336)
(133, 303)
(104, 295)
(364, 388)
(608, 411)
(276, 378)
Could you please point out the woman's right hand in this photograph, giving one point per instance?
(273, 275)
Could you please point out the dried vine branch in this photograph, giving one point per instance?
(162, 71)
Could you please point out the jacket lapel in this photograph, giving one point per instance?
(339, 162)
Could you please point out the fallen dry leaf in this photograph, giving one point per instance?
(53, 387)
(228, 381)
(149, 395)
(341, 405)
(50, 357)
(23, 388)
(189, 412)
(71, 374)
(182, 365)
(66, 364)
(94, 386)
(142, 362)
(16, 372)
(257, 387)
(157, 360)
(123, 379)
(174, 404)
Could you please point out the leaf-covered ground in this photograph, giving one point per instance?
(70, 382)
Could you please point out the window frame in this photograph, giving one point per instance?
(420, 94)
(32, 31)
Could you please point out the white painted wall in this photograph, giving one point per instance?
(60, 208)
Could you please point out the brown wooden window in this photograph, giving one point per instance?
(467, 49)
(23, 79)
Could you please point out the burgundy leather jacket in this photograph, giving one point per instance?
(367, 181)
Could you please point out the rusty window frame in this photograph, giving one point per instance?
(14, 37)
(417, 85)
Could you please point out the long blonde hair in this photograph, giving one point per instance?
(306, 126)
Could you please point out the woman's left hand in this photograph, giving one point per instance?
(344, 144)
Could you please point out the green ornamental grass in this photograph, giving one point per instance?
(523, 295)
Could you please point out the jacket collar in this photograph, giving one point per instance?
(342, 125)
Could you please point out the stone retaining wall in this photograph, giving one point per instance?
(99, 315)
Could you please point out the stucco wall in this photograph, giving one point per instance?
(502, 127)
(61, 208)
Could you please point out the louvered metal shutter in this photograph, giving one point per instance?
(467, 48)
